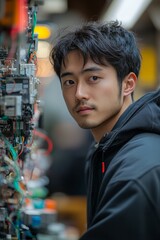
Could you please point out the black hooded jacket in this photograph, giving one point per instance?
(124, 177)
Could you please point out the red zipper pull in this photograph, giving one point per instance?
(103, 167)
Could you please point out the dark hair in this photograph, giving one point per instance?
(103, 43)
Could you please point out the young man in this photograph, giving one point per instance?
(98, 66)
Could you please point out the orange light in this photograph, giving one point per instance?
(148, 73)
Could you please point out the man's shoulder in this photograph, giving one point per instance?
(138, 156)
(143, 142)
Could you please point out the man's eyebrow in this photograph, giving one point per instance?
(66, 74)
(90, 69)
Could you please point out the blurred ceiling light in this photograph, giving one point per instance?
(55, 6)
(43, 31)
(155, 16)
(126, 11)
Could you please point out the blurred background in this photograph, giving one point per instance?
(140, 16)
(66, 168)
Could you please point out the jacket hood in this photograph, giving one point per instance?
(142, 116)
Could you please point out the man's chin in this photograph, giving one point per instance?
(86, 125)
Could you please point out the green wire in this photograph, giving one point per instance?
(15, 158)
(33, 28)
(34, 23)
(10, 147)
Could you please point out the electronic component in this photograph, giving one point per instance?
(18, 96)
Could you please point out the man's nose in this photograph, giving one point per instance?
(81, 91)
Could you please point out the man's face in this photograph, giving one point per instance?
(91, 92)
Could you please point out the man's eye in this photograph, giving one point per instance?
(94, 78)
(68, 82)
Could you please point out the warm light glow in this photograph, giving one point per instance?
(148, 72)
(44, 67)
(43, 31)
(126, 11)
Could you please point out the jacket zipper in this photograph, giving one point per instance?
(90, 183)
(103, 166)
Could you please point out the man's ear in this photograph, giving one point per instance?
(129, 84)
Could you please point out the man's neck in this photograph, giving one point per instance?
(108, 125)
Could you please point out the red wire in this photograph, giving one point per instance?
(47, 139)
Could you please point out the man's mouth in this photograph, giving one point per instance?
(84, 109)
